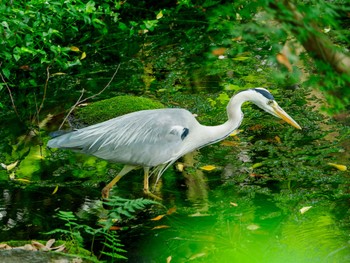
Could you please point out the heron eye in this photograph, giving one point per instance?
(270, 102)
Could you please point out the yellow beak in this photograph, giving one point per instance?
(284, 116)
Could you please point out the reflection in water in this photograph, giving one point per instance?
(216, 222)
(26, 213)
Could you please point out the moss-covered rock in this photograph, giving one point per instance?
(110, 108)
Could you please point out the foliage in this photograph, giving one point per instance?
(121, 210)
(110, 108)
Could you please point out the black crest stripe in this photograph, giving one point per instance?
(265, 93)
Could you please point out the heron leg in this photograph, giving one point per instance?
(124, 171)
(146, 184)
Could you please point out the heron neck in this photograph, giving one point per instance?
(235, 116)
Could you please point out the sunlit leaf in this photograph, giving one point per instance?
(10, 166)
(83, 55)
(12, 176)
(179, 167)
(160, 227)
(241, 58)
(340, 167)
(235, 132)
(253, 227)
(233, 204)
(55, 190)
(75, 49)
(304, 209)
(159, 15)
(282, 59)
(57, 74)
(257, 165)
(168, 259)
(208, 167)
(198, 255)
(22, 180)
(158, 218)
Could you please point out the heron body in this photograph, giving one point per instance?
(157, 138)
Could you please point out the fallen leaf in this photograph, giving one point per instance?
(55, 190)
(340, 167)
(229, 143)
(233, 204)
(304, 209)
(208, 167)
(219, 51)
(282, 59)
(158, 218)
(256, 127)
(114, 228)
(50, 242)
(278, 139)
(171, 210)
(160, 227)
(75, 49)
(168, 259)
(83, 55)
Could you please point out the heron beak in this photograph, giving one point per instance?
(284, 116)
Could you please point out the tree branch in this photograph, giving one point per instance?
(79, 101)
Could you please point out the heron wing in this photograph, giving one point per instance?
(148, 137)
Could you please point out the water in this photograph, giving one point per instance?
(224, 222)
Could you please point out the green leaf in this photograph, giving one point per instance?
(6, 72)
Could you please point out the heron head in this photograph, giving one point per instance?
(266, 101)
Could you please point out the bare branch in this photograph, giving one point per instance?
(79, 101)
(10, 94)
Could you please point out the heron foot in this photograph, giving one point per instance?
(105, 192)
(148, 193)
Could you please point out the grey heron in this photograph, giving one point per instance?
(157, 138)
